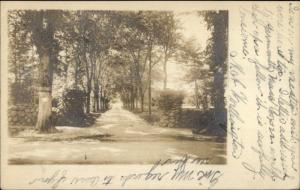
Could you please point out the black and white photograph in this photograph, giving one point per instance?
(149, 95)
(117, 87)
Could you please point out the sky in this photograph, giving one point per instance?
(192, 27)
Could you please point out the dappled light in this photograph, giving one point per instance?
(116, 87)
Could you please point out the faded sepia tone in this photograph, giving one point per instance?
(176, 144)
(117, 87)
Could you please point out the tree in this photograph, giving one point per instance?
(169, 40)
(199, 72)
(91, 43)
(216, 51)
(104, 37)
(22, 62)
(132, 41)
(42, 26)
(146, 36)
(61, 40)
(162, 40)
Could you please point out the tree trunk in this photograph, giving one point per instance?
(149, 87)
(149, 93)
(76, 73)
(206, 102)
(219, 103)
(142, 102)
(97, 102)
(128, 101)
(100, 100)
(136, 93)
(165, 73)
(141, 95)
(88, 100)
(95, 94)
(197, 95)
(44, 120)
(131, 99)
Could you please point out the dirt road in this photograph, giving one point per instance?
(117, 137)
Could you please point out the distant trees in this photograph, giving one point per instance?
(169, 40)
(208, 65)
(144, 38)
(92, 36)
(21, 51)
(199, 73)
(132, 37)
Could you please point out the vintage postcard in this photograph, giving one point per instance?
(150, 95)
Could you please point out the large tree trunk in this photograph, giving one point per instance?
(44, 120)
(219, 21)
(219, 103)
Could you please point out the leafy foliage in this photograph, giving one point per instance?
(73, 101)
(95, 56)
(170, 98)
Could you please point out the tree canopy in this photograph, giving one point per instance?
(105, 54)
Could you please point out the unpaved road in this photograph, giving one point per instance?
(117, 137)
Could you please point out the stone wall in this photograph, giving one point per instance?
(191, 118)
(22, 114)
(170, 103)
(171, 118)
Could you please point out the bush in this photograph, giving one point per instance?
(170, 102)
(74, 103)
(69, 107)
(170, 99)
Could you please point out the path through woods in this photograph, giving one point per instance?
(117, 137)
